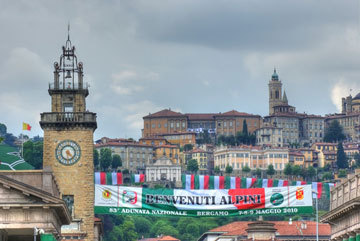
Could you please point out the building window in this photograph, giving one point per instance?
(153, 126)
(165, 125)
(225, 124)
(177, 124)
(159, 125)
(183, 124)
(172, 125)
(230, 124)
(69, 201)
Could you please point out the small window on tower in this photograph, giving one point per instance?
(68, 107)
(69, 201)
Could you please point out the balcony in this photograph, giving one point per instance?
(69, 87)
(68, 119)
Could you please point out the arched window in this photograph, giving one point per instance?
(277, 96)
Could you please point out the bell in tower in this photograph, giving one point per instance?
(68, 141)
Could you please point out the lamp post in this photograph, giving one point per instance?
(315, 165)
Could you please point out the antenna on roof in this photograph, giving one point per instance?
(69, 31)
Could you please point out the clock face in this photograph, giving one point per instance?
(68, 152)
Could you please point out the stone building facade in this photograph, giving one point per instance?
(344, 214)
(252, 156)
(163, 169)
(269, 135)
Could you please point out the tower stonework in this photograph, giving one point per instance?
(68, 143)
(275, 92)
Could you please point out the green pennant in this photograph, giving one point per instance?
(108, 178)
(183, 180)
(275, 183)
(243, 182)
(227, 182)
(259, 183)
(211, 182)
(197, 183)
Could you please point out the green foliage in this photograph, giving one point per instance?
(258, 172)
(96, 158)
(126, 171)
(33, 153)
(217, 170)
(238, 139)
(288, 170)
(116, 161)
(228, 169)
(9, 139)
(105, 158)
(334, 132)
(270, 171)
(3, 129)
(245, 128)
(327, 176)
(1, 139)
(188, 147)
(142, 226)
(342, 173)
(193, 229)
(192, 166)
(356, 158)
(311, 172)
(341, 158)
(204, 137)
(296, 170)
(246, 169)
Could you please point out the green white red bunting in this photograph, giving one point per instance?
(290, 200)
(203, 182)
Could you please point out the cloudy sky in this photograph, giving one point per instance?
(190, 56)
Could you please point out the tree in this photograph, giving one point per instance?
(296, 170)
(105, 158)
(96, 158)
(3, 129)
(288, 169)
(188, 147)
(116, 161)
(327, 176)
(245, 128)
(142, 225)
(258, 172)
(356, 158)
(204, 137)
(192, 166)
(9, 139)
(217, 170)
(341, 158)
(228, 169)
(246, 169)
(342, 173)
(33, 153)
(1, 139)
(334, 132)
(193, 229)
(311, 172)
(270, 171)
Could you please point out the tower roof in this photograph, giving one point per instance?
(285, 99)
(275, 76)
(357, 97)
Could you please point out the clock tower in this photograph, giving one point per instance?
(68, 142)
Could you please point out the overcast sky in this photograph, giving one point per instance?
(190, 56)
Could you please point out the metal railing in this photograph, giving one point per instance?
(79, 117)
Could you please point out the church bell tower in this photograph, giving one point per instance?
(275, 96)
(68, 142)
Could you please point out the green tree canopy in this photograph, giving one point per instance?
(228, 169)
(192, 166)
(33, 153)
(342, 173)
(270, 170)
(217, 170)
(341, 158)
(96, 159)
(3, 129)
(296, 170)
(327, 176)
(334, 132)
(356, 158)
(245, 128)
(116, 161)
(246, 169)
(105, 158)
(258, 172)
(288, 170)
(311, 172)
(188, 147)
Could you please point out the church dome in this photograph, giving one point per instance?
(275, 75)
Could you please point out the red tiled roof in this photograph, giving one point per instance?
(283, 228)
(152, 138)
(121, 144)
(235, 113)
(200, 116)
(296, 153)
(164, 238)
(165, 113)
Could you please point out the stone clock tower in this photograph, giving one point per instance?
(68, 143)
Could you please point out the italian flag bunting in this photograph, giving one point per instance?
(317, 187)
(259, 182)
(219, 182)
(328, 187)
(203, 182)
(138, 178)
(188, 182)
(250, 182)
(267, 183)
(299, 183)
(108, 178)
(232, 182)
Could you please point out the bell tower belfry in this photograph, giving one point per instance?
(275, 92)
(68, 142)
